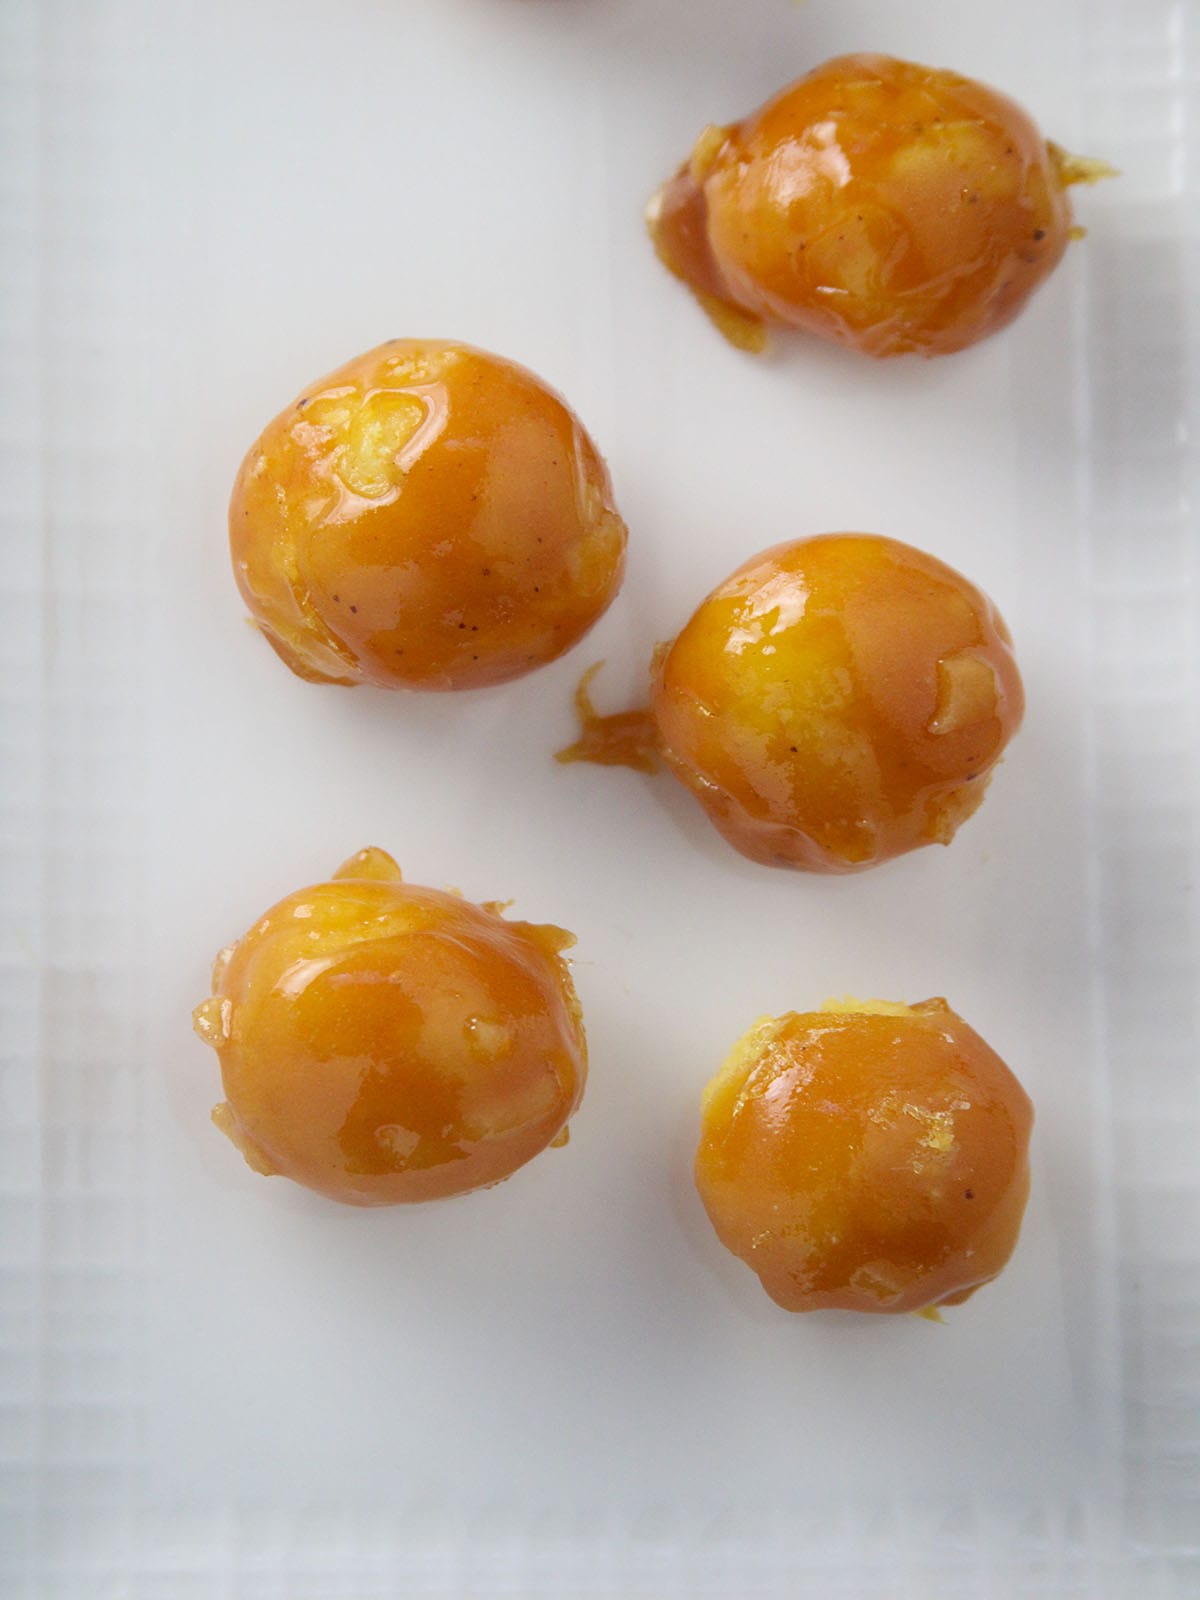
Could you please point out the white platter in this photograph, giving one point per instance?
(215, 1386)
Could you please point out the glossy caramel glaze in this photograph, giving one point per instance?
(427, 517)
(866, 1157)
(382, 1043)
(838, 701)
(884, 205)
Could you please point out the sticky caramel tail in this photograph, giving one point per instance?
(625, 739)
(1078, 169)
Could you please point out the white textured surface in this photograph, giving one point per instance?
(215, 1387)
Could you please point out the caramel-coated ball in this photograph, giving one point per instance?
(884, 205)
(838, 701)
(382, 1043)
(870, 1156)
(427, 517)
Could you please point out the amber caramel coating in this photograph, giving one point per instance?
(866, 1157)
(838, 701)
(427, 517)
(887, 206)
(382, 1043)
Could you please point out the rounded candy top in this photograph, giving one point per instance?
(427, 517)
(384, 1043)
(838, 701)
(881, 204)
(870, 1156)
